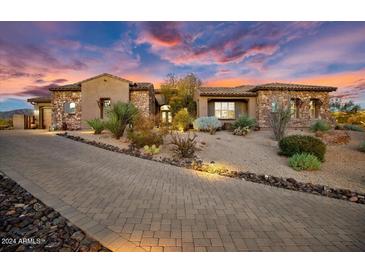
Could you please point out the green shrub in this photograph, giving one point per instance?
(241, 131)
(294, 144)
(353, 127)
(244, 121)
(182, 120)
(184, 146)
(320, 125)
(151, 150)
(304, 161)
(5, 123)
(97, 125)
(119, 116)
(210, 124)
(362, 146)
(140, 139)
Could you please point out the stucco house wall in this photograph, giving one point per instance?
(101, 87)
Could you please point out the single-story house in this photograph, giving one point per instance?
(307, 102)
(70, 106)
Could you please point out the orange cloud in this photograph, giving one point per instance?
(342, 79)
(227, 82)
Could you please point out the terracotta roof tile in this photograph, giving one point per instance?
(71, 87)
(77, 86)
(105, 74)
(248, 90)
(140, 86)
(294, 87)
(42, 99)
(227, 91)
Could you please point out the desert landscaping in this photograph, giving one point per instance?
(257, 152)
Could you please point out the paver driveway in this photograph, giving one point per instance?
(133, 204)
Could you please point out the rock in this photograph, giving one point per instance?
(19, 205)
(38, 207)
(10, 212)
(53, 215)
(21, 248)
(291, 180)
(354, 199)
(84, 248)
(95, 246)
(58, 221)
(86, 241)
(53, 246)
(66, 249)
(78, 236)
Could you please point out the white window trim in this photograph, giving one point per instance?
(226, 110)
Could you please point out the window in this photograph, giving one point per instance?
(70, 107)
(224, 110)
(274, 106)
(104, 107)
(294, 107)
(314, 108)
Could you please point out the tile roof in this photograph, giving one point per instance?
(77, 86)
(140, 86)
(248, 90)
(105, 74)
(70, 87)
(293, 87)
(227, 91)
(42, 99)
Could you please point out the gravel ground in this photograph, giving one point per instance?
(258, 153)
(26, 224)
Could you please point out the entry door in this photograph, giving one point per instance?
(47, 118)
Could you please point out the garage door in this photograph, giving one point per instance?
(47, 118)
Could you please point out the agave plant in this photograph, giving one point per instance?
(97, 125)
(119, 116)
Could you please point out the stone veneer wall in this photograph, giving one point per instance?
(59, 98)
(143, 100)
(265, 98)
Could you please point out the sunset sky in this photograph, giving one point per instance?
(37, 55)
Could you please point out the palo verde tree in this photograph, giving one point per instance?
(179, 92)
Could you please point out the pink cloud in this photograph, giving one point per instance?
(65, 43)
(162, 34)
(177, 42)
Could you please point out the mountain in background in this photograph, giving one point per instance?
(9, 114)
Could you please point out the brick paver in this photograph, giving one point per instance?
(130, 204)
